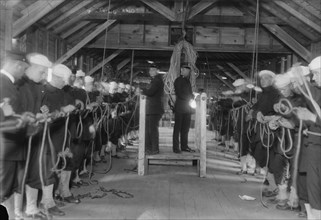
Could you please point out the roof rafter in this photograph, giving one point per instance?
(289, 41)
(236, 69)
(78, 17)
(40, 9)
(160, 8)
(276, 12)
(199, 7)
(83, 42)
(106, 60)
(299, 16)
(69, 12)
(74, 29)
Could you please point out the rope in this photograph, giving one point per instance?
(25, 173)
(255, 48)
(41, 153)
(296, 157)
(105, 44)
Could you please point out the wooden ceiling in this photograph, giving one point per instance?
(222, 31)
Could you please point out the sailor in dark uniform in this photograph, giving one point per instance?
(154, 110)
(311, 116)
(56, 100)
(183, 110)
(12, 155)
(31, 93)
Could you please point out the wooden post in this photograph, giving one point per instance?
(131, 71)
(282, 65)
(288, 62)
(197, 122)
(203, 101)
(141, 150)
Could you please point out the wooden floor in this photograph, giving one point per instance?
(176, 192)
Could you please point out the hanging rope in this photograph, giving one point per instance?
(254, 77)
(105, 44)
(190, 56)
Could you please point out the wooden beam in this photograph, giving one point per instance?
(309, 8)
(226, 73)
(74, 29)
(11, 3)
(31, 8)
(299, 16)
(207, 48)
(85, 40)
(290, 21)
(62, 17)
(106, 60)
(80, 35)
(160, 8)
(289, 41)
(198, 19)
(123, 63)
(236, 69)
(79, 16)
(199, 7)
(27, 20)
(223, 81)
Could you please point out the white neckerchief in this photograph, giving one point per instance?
(8, 75)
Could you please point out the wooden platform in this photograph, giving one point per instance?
(166, 157)
(197, 141)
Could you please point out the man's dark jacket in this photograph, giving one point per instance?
(154, 93)
(184, 93)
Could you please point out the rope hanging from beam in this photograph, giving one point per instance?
(254, 77)
(183, 52)
(105, 44)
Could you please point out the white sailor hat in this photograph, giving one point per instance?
(266, 72)
(238, 82)
(39, 59)
(228, 92)
(315, 63)
(282, 80)
(80, 73)
(61, 70)
(121, 85)
(88, 79)
(302, 70)
(105, 85)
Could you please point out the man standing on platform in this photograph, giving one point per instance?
(183, 110)
(154, 110)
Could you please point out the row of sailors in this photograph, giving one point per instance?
(292, 168)
(24, 93)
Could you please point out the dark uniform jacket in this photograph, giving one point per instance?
(30, 95)
(55, 99)
(154, 93)
(184, 93)
(11, 148)
(266, 100)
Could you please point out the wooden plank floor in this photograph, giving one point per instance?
(176, 192)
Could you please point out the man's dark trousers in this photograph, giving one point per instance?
(181, 128)
(151, 132)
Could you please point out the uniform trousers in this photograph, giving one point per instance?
(181, 129)
(11, 174)
(152, 133)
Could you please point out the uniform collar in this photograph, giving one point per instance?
(2, 71)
